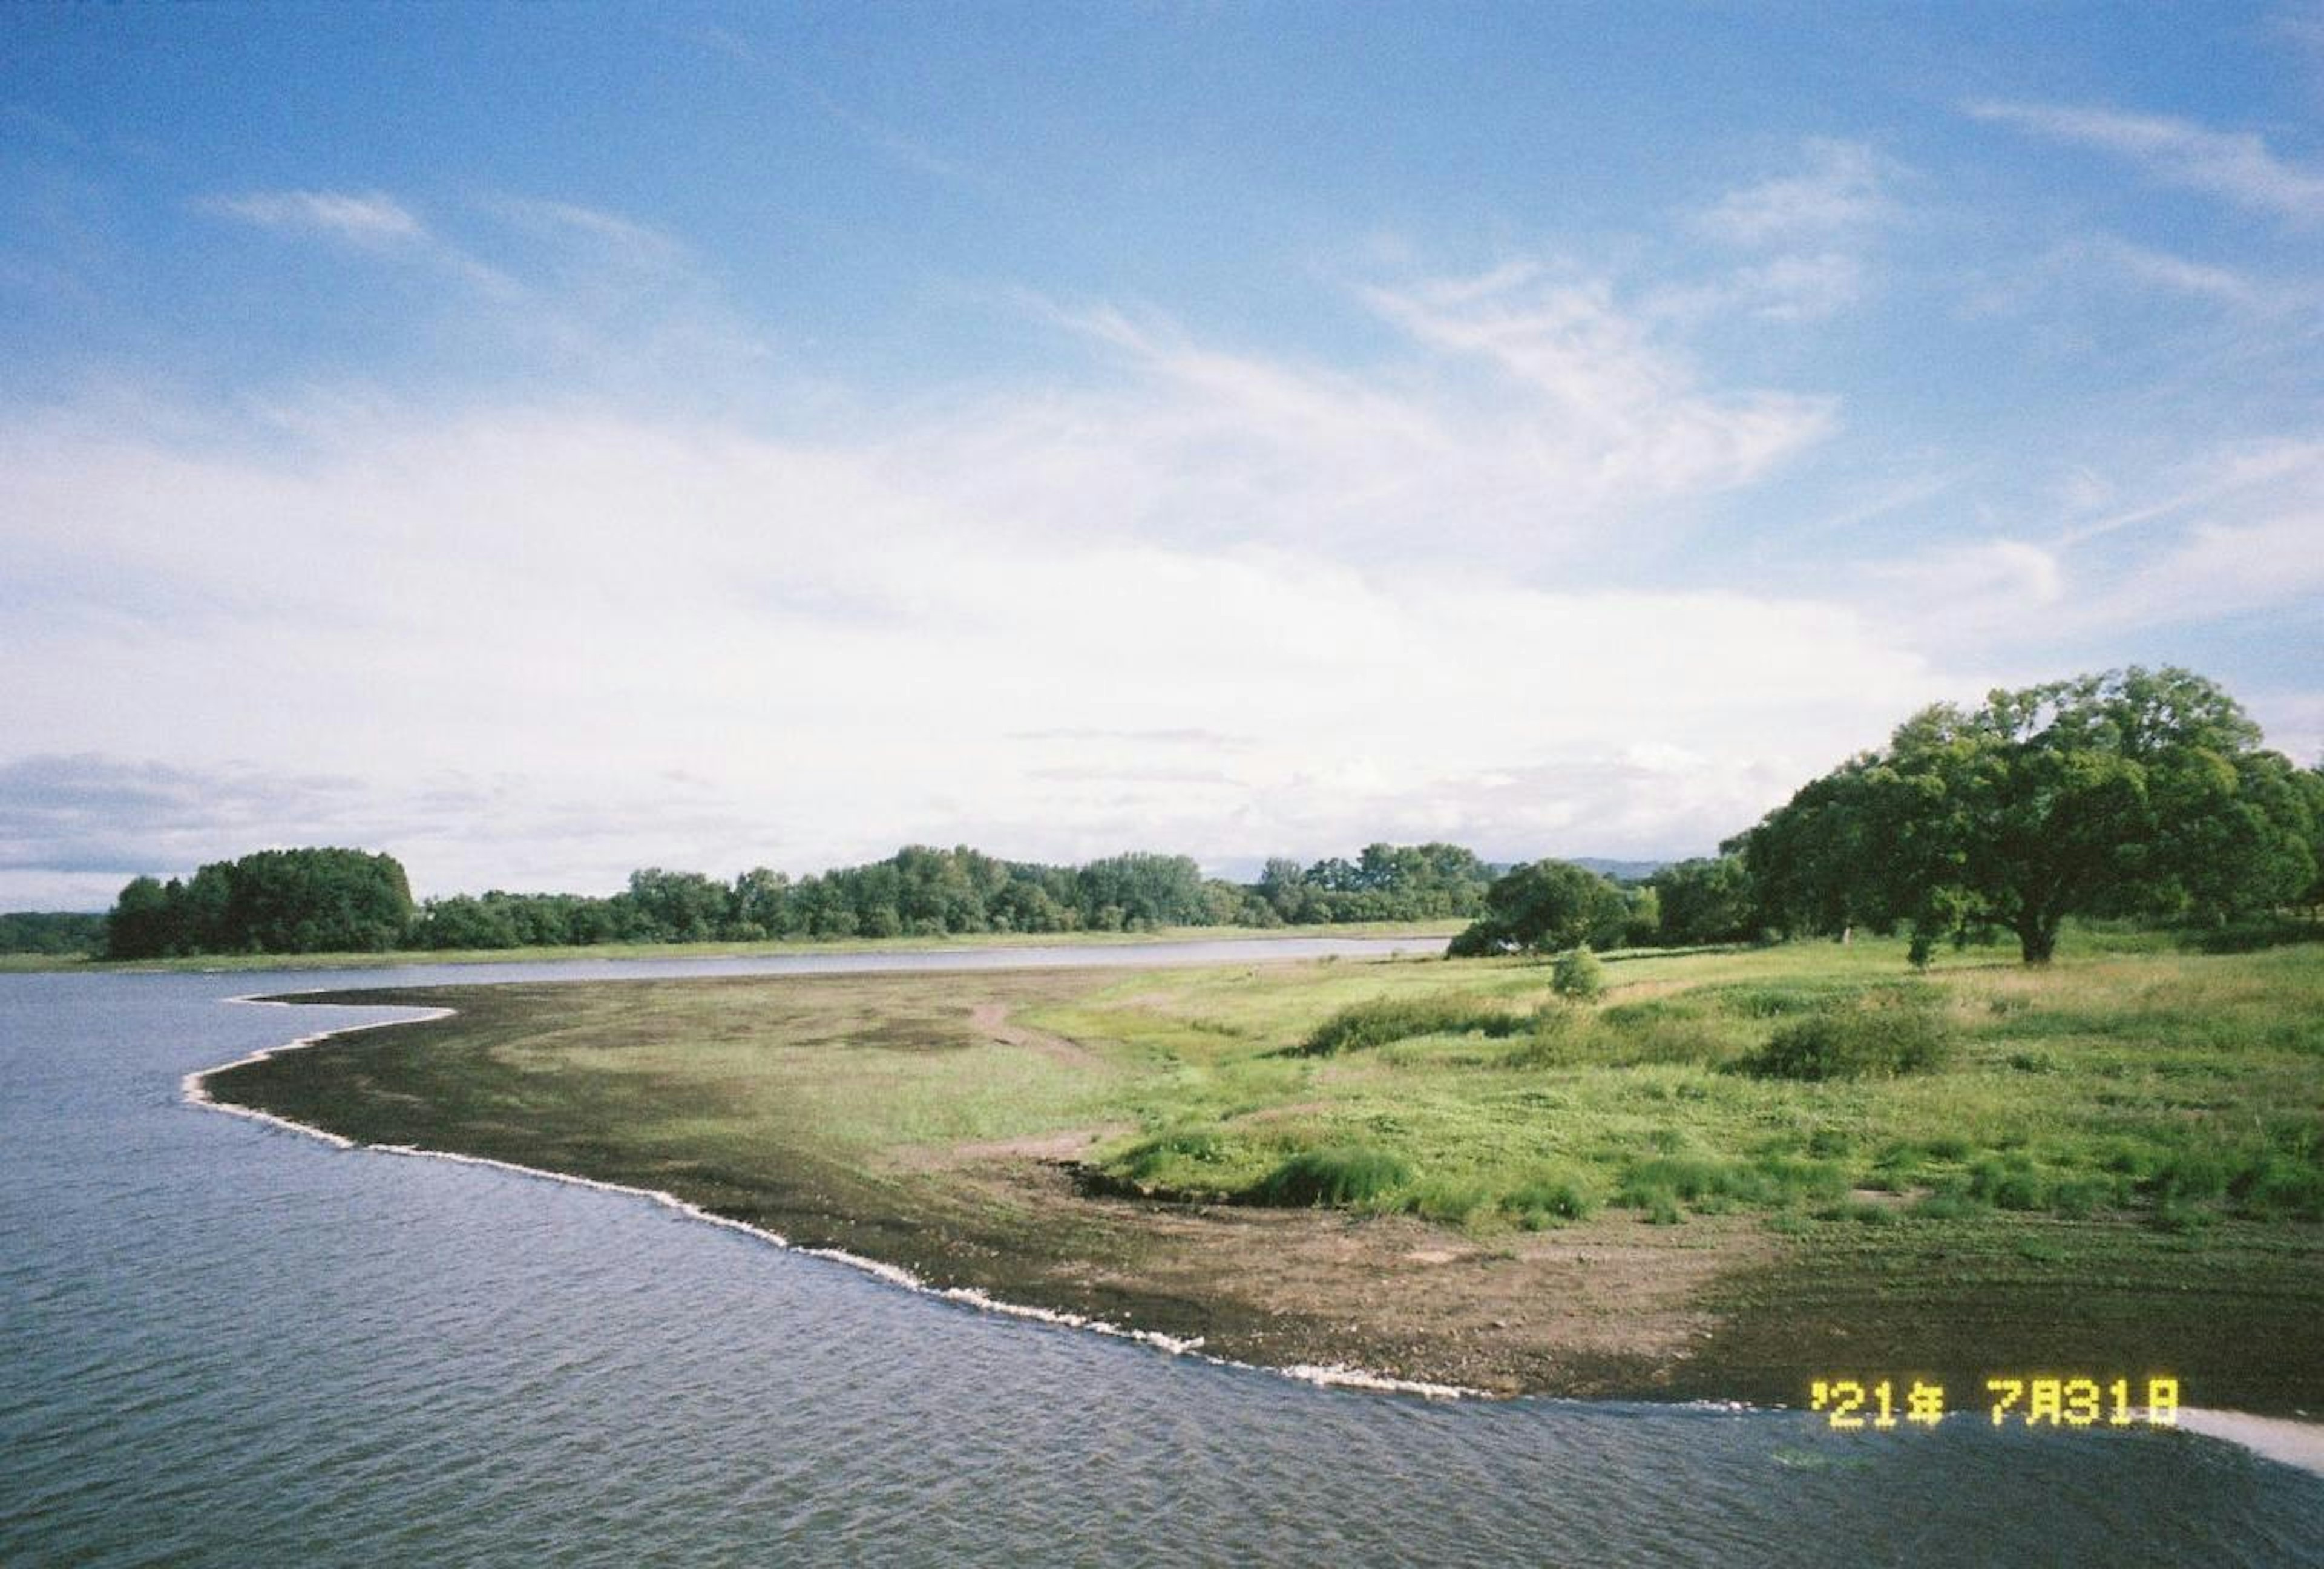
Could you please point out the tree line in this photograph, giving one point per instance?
(2131, 793)
(27, 931)
(314, 901)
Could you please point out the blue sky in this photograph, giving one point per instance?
(545, 441)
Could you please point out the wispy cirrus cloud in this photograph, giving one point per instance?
(1809, 227)
(1841, 190)
(1621, 412)
(2235, 165)
(2143, 265)
(370, 218)
(2237, 532)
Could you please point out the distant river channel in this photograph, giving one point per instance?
(223, 1343)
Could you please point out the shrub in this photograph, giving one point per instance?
(2009, 1182)
(1450, 1204)
(1346, 1175)
(1667, 1180)
(1549, 1196)
(1877, 1037)
(1384, 1019)
(1946, 1204)
(1578, 976)
(2277, 1183)
(1660, 1032)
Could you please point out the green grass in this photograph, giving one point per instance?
(2144, 1084)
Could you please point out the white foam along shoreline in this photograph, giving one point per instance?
(2295, 1443)
(2277, 1438)
(1334, 1375)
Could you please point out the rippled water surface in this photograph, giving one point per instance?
(226, 1344)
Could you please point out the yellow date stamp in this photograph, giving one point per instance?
(2026, 1400)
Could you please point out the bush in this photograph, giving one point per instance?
(1881, 1037)
(1665, 1181)
(1384, 1019)
(1452, 1204)
(1660, 1032)
(1347, 1174)
(1578, 977)
(1549, 1196)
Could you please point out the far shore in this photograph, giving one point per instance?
(406, 958)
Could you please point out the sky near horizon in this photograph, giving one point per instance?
(545, 441)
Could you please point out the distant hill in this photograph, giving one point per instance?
(1620, 871)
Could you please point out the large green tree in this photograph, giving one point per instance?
(2130, 792)
(1547, 906)
(274, 901)
(1704, 900)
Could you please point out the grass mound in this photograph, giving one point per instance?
(1347, 1174)
(1387, 1019)
(1882, 1034)
(1148, 1159)
(1551, 1195)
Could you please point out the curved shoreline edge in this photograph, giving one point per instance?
(1336, 1375)
(2298, 1444)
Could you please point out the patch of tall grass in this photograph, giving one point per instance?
(1883, 1034)
(1382, 1021)
(1344, 1176)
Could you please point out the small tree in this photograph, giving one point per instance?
(1579, 976)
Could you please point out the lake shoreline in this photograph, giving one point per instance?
(195, 1091)
(1719, 1309)
(2297, 1444)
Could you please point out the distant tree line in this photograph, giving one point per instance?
(918, 891)
(923, 892)
(1384, 882)
(2133, 793)
(344, 901)
(48, 932)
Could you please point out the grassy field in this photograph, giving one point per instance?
(2115, 1166)
(207, 962)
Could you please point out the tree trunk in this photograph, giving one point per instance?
(2037, 940)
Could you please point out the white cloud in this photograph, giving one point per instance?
(1976, 594)
(2232, 165)
(2235, 531)
(1841, 193)
(1782, 289)
(369, 219)
(2161, 270)
(848, 642)
(2220, 568)
(1615, 415)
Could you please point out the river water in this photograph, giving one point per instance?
(223, 1343)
